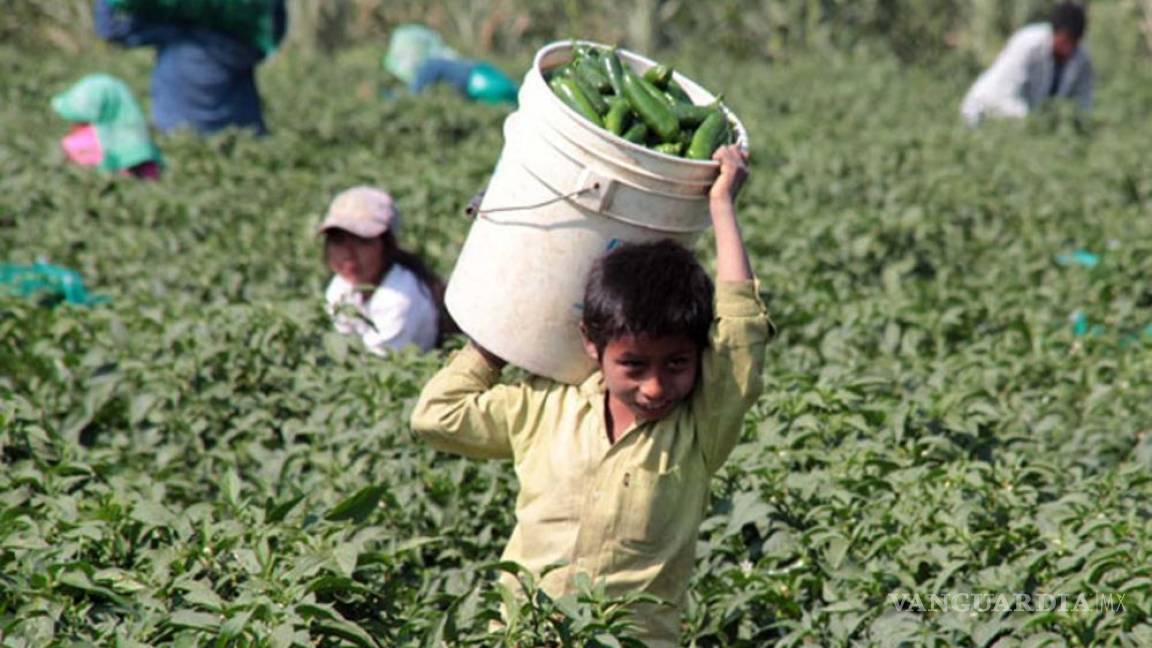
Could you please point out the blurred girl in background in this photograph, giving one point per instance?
(384, 294)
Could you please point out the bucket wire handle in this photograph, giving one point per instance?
(473, 208)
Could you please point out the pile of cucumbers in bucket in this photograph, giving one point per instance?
(651, 109)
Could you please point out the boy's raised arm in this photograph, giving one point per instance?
(731, 378)
(732, 263)
(464, 411)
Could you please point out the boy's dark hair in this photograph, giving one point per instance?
(1069, 17)
(655, 289)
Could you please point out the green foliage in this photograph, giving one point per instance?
(201, 461)
(913, 30)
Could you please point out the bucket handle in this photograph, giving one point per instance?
(473, 209)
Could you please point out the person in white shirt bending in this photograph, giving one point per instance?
(384, 294)
(1040, 62)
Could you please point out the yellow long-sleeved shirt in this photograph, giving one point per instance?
(628, 513)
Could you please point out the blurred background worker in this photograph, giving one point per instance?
(108, 128)
(206, 55)
(476, 80)
(1040, 62)
(419, 57)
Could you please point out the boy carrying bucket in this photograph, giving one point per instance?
(614, 473)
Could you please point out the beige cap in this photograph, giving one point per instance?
(366, 212)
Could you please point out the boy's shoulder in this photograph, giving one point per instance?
(550, 386)
(548, 394)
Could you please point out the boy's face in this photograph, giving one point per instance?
(648, 375)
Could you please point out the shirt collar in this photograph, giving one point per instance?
(593, 386)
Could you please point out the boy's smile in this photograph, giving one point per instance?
(646, 376)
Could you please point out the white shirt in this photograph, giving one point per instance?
(1021, 78)
(401, 312)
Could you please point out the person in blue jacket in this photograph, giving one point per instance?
(476, 80)
(203, 78)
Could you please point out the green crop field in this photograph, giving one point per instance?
(201, 461)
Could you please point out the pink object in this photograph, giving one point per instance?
(82, 146)
(144, 171)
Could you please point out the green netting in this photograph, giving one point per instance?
(49, 283)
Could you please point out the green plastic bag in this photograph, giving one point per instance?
(252, 21)
(489, 85)
(52, 284)
(106, 102)
(409, 46)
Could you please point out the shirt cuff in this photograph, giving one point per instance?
(469, 361)
(739, 299)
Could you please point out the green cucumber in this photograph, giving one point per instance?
(589, 71)
(590, 93)
(669, 148)
(692, 115)
(637, 133)
(619, 116)
(571, 94)
(686, 138)
(676, 92)
(614, 70)
(712, 133)
(658, 75)
(652, 109)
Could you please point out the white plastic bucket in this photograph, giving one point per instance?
(563, 192)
